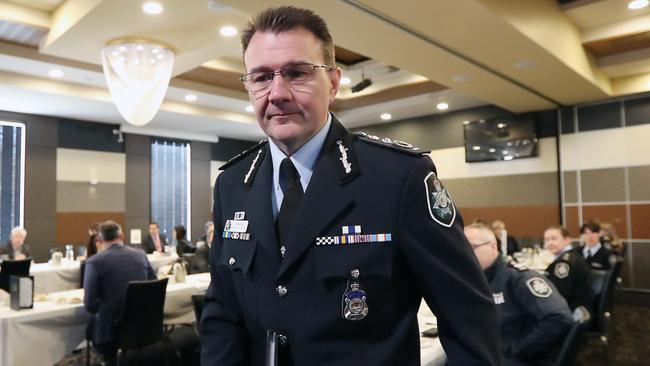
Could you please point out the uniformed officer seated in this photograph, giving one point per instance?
(595, 253)
(533, 316)
(569, 272)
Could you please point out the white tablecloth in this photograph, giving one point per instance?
(431, 352)
(48, 278)
(43, 335)
(158, 260)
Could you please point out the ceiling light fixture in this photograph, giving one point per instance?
(637, 4)
(345, 80)
(191, 98)
(137, 86)
(55, 73)
(386, 116)
(442, 106)
(228, 31)
(250, 108)
(152, 7)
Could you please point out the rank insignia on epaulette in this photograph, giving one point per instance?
(561, 270)
(539, 287)
(441, 207)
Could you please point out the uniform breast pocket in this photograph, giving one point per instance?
(338, 261)
(237, 255)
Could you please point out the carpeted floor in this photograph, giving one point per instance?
(629, 341)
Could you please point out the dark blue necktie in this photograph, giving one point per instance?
(292, 190)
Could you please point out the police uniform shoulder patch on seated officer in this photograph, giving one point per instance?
(539, 287)
(441, 208)
(396, 145)
(561, 270)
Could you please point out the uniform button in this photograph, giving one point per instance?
(281, 290)
(232, 261)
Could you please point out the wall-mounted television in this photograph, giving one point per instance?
(505, 138)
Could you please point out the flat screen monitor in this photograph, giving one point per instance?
(504, 138)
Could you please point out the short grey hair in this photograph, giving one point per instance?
(19, 230)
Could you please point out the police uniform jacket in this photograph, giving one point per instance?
(572, 277)
(533, 316)
(402, 255)
(602, 260)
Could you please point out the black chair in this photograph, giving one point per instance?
(140, 336)
(82, 273)
(10, 268)
(604, 283)
(186, 339)
(576, 337)
(197, 303)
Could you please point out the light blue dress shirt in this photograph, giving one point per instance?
(566, 249)
(303, 159)
(593, 250)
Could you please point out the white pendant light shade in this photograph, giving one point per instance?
(137, 75)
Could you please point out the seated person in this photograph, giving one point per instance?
(595, 254)
(15, 249)
(183, 245)
(533, 316)
(609, 239)
(208, 226)
(498, 227)
(106, 278)
(202, 260)
(155, 241)
(569, 272)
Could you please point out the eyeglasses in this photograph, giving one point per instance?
(260, 81)
(476, 246)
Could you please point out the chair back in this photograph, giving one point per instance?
(10, 268)
(576, 337)
(197, 303)
(141, 320)
(605, 295)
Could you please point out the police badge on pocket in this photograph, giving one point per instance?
(354, 305)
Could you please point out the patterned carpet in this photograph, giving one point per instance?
(629, 342)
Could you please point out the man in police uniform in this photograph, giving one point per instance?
(325, 242)
(533, 316)
(569, 272)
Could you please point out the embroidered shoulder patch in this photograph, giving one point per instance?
(441, 207)
(539, 287)
(561, 270)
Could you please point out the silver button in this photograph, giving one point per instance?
(232, 261)
(281, 290)
(282, 339)
(355, 273)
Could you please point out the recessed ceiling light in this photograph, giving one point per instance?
(228, 31)
(476, 148)
(501, 125)
(637, 4)
(492, 150)
(191, 98)
(460, 78)
(442, 106)
(55, 73)
(152, 7)
(507, 157)
(122, 49)
(345, 80)
(139, 47)
(249, 108)
(386, 116)
(465, 122)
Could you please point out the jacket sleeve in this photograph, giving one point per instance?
(223, 333)
(91, 287)
(448, 276)
(552, 318)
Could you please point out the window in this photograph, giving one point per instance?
(170, 185)
(12, 177)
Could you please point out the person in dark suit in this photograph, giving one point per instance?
(596, 255)
(201, 262)
(107, 275)
(498, 227)
(534, 318)
(569, 272)
(15, 248)
(155, 241)
(326, 241)
(183, 245)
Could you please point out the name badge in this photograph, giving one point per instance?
(236, 226)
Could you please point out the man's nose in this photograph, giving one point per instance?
(279, 90)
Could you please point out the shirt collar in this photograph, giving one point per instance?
(564, 250)
(304, 158)
(594, 249)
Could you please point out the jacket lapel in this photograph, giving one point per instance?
(258, 207)
(325, 198)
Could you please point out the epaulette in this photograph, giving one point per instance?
(396, 145)
(243, 154)
(516, 265)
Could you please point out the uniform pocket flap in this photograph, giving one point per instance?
(238, 254)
